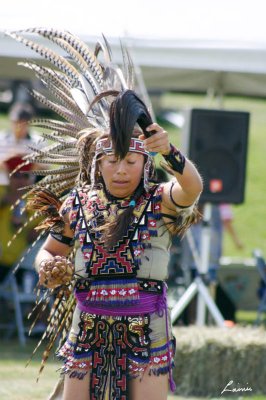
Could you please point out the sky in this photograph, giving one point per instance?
(234, 20)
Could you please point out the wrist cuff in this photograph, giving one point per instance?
(175, 160)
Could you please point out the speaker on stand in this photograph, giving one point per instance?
(216, 141)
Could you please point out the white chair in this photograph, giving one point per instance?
(14, 297)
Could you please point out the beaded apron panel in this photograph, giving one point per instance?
(112, 342)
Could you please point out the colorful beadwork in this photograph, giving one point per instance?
(112, 345)
(110, 341)
(120, 264)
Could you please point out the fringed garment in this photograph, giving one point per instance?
(121, 326)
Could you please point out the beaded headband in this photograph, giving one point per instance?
(105, 146)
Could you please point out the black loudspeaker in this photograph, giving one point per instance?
(216, 141)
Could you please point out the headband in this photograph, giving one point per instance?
(105, 146)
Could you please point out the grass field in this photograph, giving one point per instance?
(19, 383)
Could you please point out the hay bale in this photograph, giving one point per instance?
(208, 358)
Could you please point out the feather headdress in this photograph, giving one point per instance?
(88, 92)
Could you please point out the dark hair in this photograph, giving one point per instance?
(126, 110)
(117, 229)
(21, 112)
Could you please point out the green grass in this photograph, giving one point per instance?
(3, 122)
(19, 383)
(244, 317)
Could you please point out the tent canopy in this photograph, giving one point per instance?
(180, 45)
(173, 65)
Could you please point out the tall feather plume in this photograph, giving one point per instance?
(128, 68)
(47, 74)
(55, 59)
(74, 85)
(79, 52)
(88, 56)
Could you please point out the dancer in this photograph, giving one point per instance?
(119, 223)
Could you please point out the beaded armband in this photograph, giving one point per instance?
(175, 160)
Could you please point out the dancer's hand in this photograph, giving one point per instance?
(55, 272)
(158, 142)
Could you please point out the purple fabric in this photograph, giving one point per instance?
(147, 303)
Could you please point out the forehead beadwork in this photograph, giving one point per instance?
(105, 146)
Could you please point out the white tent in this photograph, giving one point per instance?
(230, 68)
(183, 46)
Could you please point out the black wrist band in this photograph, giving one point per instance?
(62, 239)
(175, 160)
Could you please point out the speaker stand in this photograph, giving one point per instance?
(197, 286)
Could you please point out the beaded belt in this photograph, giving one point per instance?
(145, 285)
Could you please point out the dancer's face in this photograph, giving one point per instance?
(122, 177)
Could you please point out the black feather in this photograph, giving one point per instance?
(125, 111)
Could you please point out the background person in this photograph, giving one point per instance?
(15, 141)
(11, 219)
(13, 147)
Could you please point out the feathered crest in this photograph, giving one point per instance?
(74, 81)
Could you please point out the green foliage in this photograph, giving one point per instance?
(18, 382)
